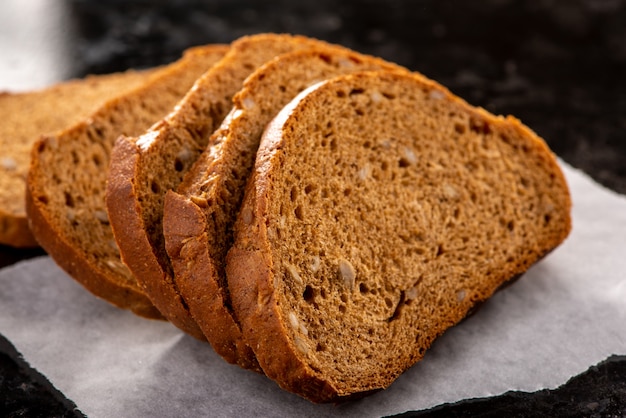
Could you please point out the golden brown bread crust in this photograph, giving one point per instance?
(67, 177)
(70, 259)
(188, 244)
(28, 115)
(279, 297)
(144, 168)
(198, 219)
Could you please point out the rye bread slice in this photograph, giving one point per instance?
(144, 167)
(66, 181)
(28, 115)
(198, 220)
(381, 209)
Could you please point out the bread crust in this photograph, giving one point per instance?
(66, 183)
(28, 115)
(198, 218)
(257, 284)
(184, 131)
(70, 259)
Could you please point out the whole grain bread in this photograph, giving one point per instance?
(144, 167)
(67, 178)
(26, 116)
(381, 209)
(198, 220)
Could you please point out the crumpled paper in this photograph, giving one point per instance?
(566, 314)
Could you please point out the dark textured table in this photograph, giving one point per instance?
(558, 65)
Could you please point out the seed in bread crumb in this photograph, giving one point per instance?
(411, 294)
(247, 216)
(347, 274)
(450, 192)
(315, 263)
(376, 97)
(365, 172)
(293, 321)
(8, 163)
(409, 155)
(102, 216)
(436, 94)
(293, 271)
(248, 103)
(301, 344)
(460, 295)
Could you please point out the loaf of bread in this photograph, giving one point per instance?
(26, 116)
(198, 220)
(380, 210)
(144, 167)
(67, 178)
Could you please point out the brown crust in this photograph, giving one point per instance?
(72, 261)
(250, 268)
(128, 230)
(189, 120)
(187, 228)
(117, 285)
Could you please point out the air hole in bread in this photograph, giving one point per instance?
(309, 188)
(299, 212)
(363, 288)
(342, 308)
(356, 91)
(403, 163)
(308, 294)
(389, 96)
(43, 199)
(359, 112)
(178, 165)
(75, 157)
(294, 194)
(97, 160)
(69, 200)
(341, 94)
(154, 186)
(459, 128)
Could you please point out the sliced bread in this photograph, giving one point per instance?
(144, 167)
(198, 220)
(26, 116)
(66, 181)
(381, 209)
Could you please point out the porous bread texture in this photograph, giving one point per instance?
(66, 182)
(26, 116)
(145, 167)
(198, 220)
(381, 209)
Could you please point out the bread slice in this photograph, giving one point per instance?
(381, 209)
(143, 168)
(27, 115)
(198, 220)
(67, 176)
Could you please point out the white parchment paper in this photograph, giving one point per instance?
(566, 314)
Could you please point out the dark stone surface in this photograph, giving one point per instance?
(599, 392)
(25, 393)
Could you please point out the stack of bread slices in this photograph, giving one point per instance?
(313, 213)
